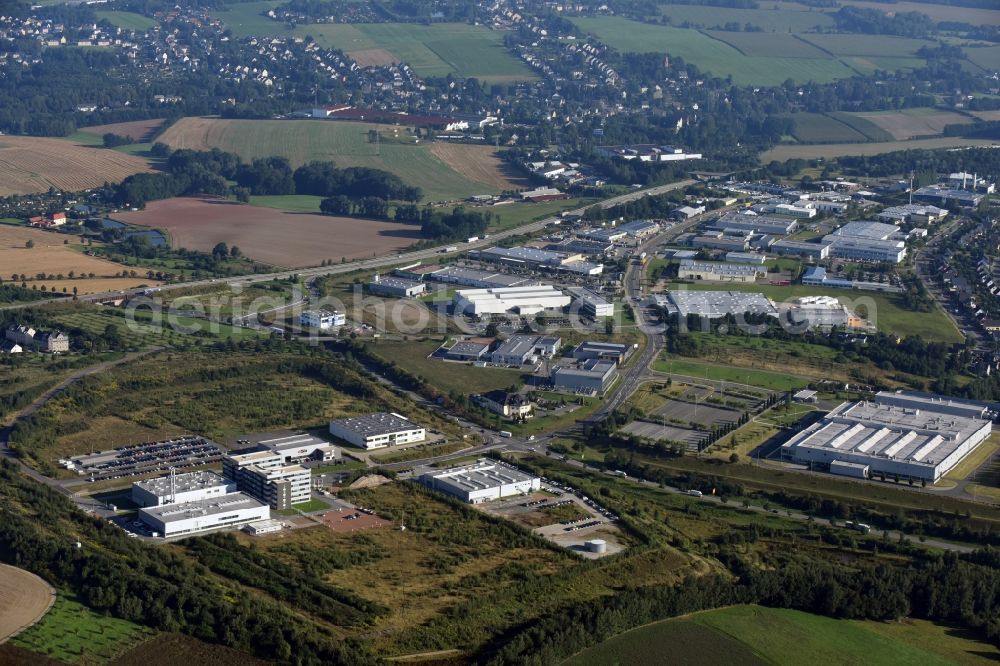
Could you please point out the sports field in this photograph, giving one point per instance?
(442, 172)
(52, 256)
(438, 49)
(274, 237)
(712, 55)
(128, 20)
(806, 152)
(758, 635)
(34, 164)
(24, 599)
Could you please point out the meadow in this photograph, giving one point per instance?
(821, 128)
(35, 164)
(759, 635)
(782, 18)
(448, 377)
(74, 634)
(986, 57)
(432, 50)
(720, 373)
(829, 151)
(712, 55)
(346, 144)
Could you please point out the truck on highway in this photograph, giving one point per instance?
(450, 248)
(693, 493)
(506, 433)
(620, 473)
(859, 527)
(472, 239)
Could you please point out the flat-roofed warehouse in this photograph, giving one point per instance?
(193, 517)
(482, 481)
(523, 300)
(718, 304)
(910, 435)
(718, 271)
(373, 431)
(188, 487)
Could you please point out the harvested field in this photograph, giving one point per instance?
(24, 599)
(480, 163)
(274, 237)
(34, 164)
(788, 152)
(903, 125)
(51, 256)
(987, 115)
(137, 130)
(372, 57)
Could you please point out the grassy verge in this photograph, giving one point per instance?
(717, 373)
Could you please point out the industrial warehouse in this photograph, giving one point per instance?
(716, 304)
(373, 431)
(233, 509)
(899, 435)
(482, 481)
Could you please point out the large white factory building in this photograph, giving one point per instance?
(909, 435)
(482, 481)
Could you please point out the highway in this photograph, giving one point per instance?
(377, 262)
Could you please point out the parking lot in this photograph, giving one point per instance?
(690, 412)
(137, 459)
(665, 432)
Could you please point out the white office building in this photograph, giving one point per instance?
(227, 511)
(520, 300)
(855, 248)
(482, 481)
(181, 488)
(374, 431)
(300, 448)
(322, 319)
(591, 304)
(909, 435)
(265, 476)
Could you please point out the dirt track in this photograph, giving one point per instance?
(24, 599)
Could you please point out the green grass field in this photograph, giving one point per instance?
(758, 635)
(345, 143)
(72, 633)
(768, 45)
(516, 214)
(464, 379)
(711, 55)
(888, 314)
(432, 50)
(783, 18)
(865, 45)
(987, 57)
(145, 332)
(128, 20)
(296, 203)
(720, 373)
(821, 128)
(862, 125)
